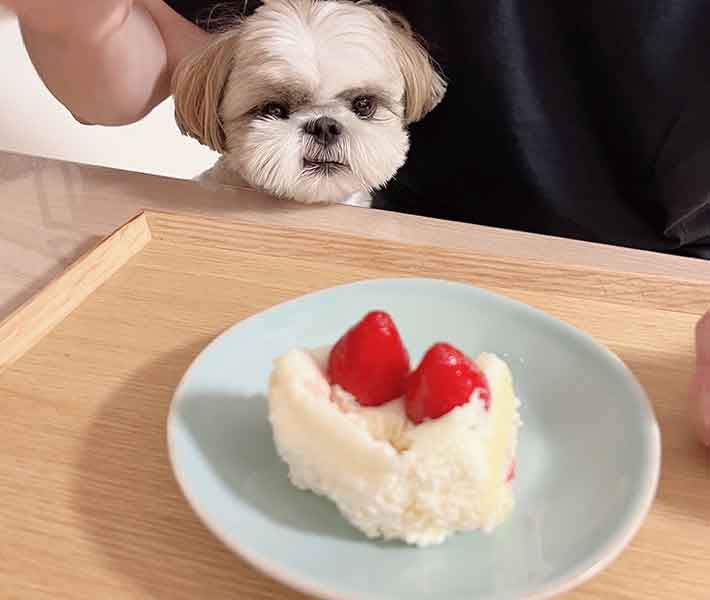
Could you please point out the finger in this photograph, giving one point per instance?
(700, 403)
(702, 340)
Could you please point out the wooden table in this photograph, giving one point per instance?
(90, 508)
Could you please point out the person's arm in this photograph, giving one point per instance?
(108, 61)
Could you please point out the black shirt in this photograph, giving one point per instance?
(588, 120)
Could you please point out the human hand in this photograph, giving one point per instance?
(80, 20)
(700, 386)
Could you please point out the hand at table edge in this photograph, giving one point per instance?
(700, 385)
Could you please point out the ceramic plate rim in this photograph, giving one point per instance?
(573, 579)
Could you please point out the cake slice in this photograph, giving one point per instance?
(393, 473)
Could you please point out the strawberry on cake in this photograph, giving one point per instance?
(409, 455)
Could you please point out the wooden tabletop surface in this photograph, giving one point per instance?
(52, 211)
(90, 507)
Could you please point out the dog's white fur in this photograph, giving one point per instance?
(313, 57)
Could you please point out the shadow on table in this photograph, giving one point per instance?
(131, 507)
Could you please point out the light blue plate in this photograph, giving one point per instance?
(588, 459)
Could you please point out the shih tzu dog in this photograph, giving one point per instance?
(308, 99)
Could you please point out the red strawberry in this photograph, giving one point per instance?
(511, 471)
(370, 361)
(444, 379)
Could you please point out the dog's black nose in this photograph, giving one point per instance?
(324, 129)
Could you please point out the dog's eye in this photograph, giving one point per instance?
(364, 106)
(275, 110)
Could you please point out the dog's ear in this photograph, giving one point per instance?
(424, 86)
(198, 86)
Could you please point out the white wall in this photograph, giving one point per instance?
(33, 122)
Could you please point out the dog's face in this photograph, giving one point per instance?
(309, 99)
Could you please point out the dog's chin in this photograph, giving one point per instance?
(324, 182)
(310, 181)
